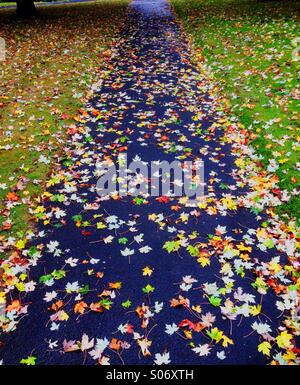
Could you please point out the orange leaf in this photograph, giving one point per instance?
(115, 344)
(15, 305)
(57, 305)
(79, 307)
(115, 285)
(198, 327)
(181, 301)
(13, 197)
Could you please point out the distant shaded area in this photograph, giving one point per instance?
(28, 8)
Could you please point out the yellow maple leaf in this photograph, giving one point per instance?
(147, 271)
(284, 340)
(215, 334)
(46, 194)
(184, 217)
(193, 235)
(188, 334)
(284, 160)
(2, 297)
(264, 348)
(20, 286)
(226, 268)
(101, 225)
(202, 205)
(20, 244)
(239, 162)
(152, 217)
(203, 261)
(242, 247)
(255, 310)
(274, 266)
(183, 200)
(197, 308)
(226, 341)
(289, 356)
(22, 277)
(64, 316)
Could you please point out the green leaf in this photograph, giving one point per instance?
(123, 241)
(77, 218)
(269, 243)
(106, 303)
(240, 271)
(124, 139)
(57, 198)
(293, 287)
(171, 246)
(259, 284)
(126, 304)
(222, 291)
(67, 162)
(30, 360)
(224, 186)
(148, 289)
(215, 301)
(84, 290)
(138, 201)
(215, 334)
(45, 278)
(194, 252)
(58, 274)
(88, 138)
(33, 250)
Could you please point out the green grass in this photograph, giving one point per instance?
(248, 49)
(51, 61)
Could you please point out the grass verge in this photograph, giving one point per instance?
(250, 49)
(51, 62)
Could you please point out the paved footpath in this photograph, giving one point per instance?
(149, 279)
